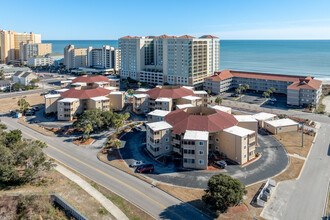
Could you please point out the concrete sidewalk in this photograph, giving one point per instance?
(106, 203)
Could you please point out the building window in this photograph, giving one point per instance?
(61, 109)
(167, 131)
(61, 115)
(244, 138)
(279, 128)
(167, 147)
(217, 140)
(244, 155)
(167, 139)
(145, 104)
(201, 162)
(244, 147)
(201, 143)
(216, 148)
(201, 152)
(267, 126)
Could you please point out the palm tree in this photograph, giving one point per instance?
(139, 84)
(238, 90)
(265, 94)
(218, 100)
(88, 128)
(116, 144)
(246, 87)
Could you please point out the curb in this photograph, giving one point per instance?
(302, 169)
(326, 202)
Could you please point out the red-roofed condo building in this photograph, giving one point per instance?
(167, 98)
(300, 90)
(84, 93)
(184, 60)
(195, 132)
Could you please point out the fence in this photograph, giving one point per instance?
(77, 215)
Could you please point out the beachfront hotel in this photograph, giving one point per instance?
(195, 132)
(30, 50)
(183, 60)
(10, 43)
(106, 58)
(168, 98)
(300, 90)
(84, 93)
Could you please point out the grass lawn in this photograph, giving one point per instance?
(55, 182)
(292, 142)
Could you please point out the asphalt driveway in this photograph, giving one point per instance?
(272, 162)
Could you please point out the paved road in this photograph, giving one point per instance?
(273, 161)
(304, 198)
(151, 199)
(23, 93)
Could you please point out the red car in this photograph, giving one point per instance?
(145, 168)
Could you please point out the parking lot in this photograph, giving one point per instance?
(255, 98)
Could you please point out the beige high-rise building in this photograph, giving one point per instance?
(106, 57)
(75, 57)
(184, 60)
(10, 44)
(29, 50)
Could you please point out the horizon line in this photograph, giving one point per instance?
(220, 39)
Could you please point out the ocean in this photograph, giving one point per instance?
(294, 57)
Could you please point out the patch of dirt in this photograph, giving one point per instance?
(292, 142)
(8, 104)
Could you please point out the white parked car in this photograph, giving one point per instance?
(137, 163)
(273, 99)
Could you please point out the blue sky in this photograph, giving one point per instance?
(227, 19)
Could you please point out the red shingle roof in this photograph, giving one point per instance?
(129, 37)
(219, 76)
(268, 76)
(186, 36)
(306, 83)
(91, 79)
(174, 93)
(181, 121)
(208, 36)
(85, 94)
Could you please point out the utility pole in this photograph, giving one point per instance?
(302, 133)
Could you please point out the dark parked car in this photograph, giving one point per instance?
(36, 108)
(29, 113)
(145, 168)
(222, 164)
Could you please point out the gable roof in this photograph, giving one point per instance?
(306, 83)
(219, 76)
(18, 73)
(26, 74)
